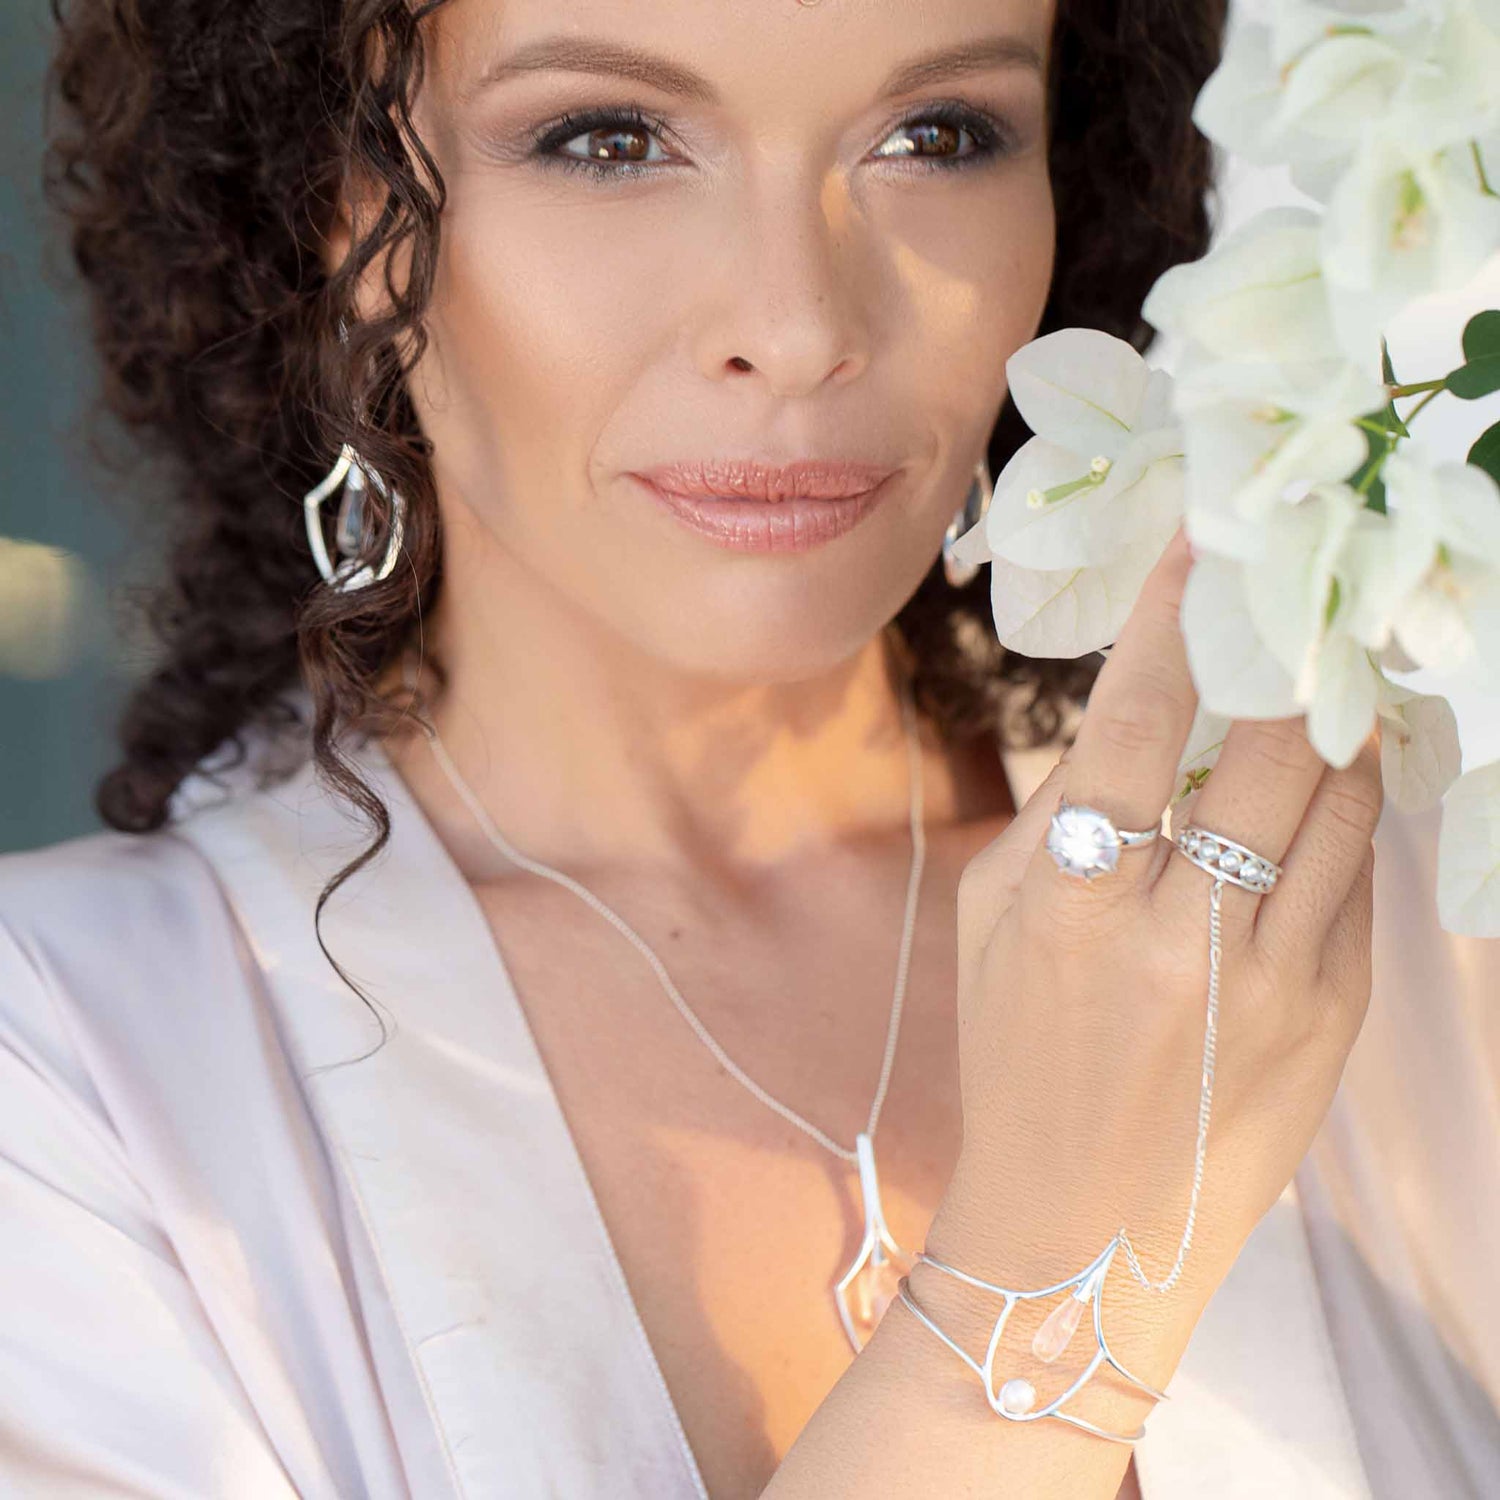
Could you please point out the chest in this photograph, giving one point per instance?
(730, 1222)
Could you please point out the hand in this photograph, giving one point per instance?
(1081, 1005)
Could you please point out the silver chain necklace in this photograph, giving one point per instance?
(862, 1294)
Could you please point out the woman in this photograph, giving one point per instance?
(345, 1156)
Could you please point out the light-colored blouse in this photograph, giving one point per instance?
(241, 1259)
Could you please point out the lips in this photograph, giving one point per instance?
(753, 479)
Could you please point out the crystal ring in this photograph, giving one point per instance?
(1227, 860)
(1086, 844)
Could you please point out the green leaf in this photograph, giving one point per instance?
(1366, 478)
(1387, 371)
(1482, 335)
(1485, 454)
(1480, 377)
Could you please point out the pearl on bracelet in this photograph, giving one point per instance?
(1017, 1396)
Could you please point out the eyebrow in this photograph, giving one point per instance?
(576, 54)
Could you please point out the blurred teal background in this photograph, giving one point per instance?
(65, 530)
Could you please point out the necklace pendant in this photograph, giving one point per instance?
(868, 1287)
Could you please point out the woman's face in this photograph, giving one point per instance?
(732, 232)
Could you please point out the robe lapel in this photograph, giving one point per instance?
(532, 1357)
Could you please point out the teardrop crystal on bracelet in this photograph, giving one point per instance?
(1054, 1336)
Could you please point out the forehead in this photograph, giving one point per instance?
(721, 52)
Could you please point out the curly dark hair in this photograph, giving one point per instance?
(198, 151)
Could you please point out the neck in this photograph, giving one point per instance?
(589, 753)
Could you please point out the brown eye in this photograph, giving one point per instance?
(615, 144)
(936, 139)
(603, 142)
(945, 136)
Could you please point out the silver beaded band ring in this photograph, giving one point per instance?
(1227, 860)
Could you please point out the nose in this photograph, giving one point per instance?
(787, 306)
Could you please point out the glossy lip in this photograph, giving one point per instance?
(759, 525)
(758, 479)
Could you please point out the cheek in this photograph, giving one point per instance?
(974, 271)
(538, 328)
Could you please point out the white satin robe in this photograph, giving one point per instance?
(227, 1275)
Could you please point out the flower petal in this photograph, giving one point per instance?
(1468, 879)
(1069, 612)
(1342, 711)
(1420, 756)
(1141, 495)
(1288, 587)
(1339, 86)
(1241, 96)
(1234, 672)
(1081, 388)
(972, 546)
(1259, 294)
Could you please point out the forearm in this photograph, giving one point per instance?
(909, 1417)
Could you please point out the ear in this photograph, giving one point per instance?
(361, 199)
(354, 213)
(338, 238)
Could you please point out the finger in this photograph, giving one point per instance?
(1346, 963)
(996, 871)
(1265, 777)
(1324, 861)
(1126, 752)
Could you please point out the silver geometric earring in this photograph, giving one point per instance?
(356, 477)
(969, 514)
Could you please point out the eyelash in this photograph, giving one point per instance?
(991, 137)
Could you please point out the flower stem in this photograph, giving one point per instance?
(1423, 402)
(1484, 182)
(1416, 387)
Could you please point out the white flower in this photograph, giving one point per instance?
(1447, 533)
(1278, 98)
(1419, 751)
(1452, 93)
(1298, 25)
(1309, 87)
(1292, 588)
(1067, 612)
(1081, 512)
(1259, 296)
(1385, 557)
(1105, 464)
(1403, 221)
(1236, 675)
(1268, 637)
(1256, 436)
(1468, 883)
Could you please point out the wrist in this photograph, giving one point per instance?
(1147, 1331)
